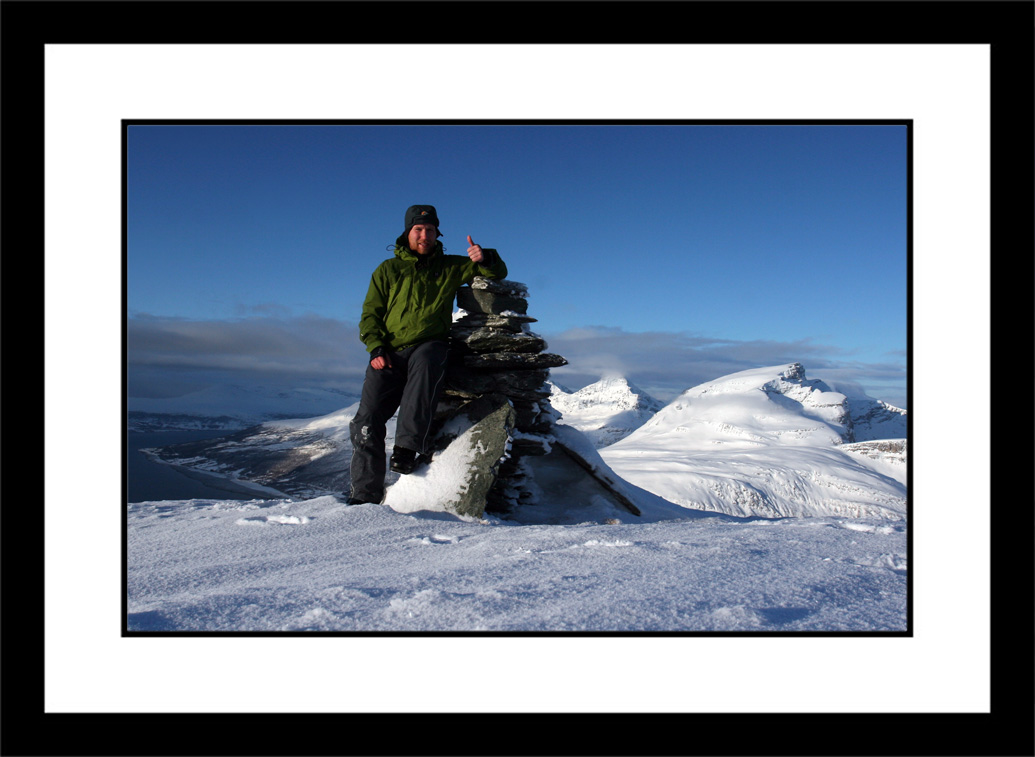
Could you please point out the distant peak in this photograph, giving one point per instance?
(794, 372)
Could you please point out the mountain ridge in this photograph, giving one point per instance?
(607, 410)
(769, 442)
(852, 418)
(765, 442)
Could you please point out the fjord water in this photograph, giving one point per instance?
(148, 480)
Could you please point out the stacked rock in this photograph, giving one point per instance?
(495, 353)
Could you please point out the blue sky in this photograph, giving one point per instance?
(671, 253)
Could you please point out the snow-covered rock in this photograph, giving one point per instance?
(874, 419)
(465, 466)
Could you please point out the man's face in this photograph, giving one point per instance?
(422, 238)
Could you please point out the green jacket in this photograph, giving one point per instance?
(410, 299)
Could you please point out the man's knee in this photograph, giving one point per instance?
(364, 433)
(430, 356)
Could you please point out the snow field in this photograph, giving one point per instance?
(318, 565)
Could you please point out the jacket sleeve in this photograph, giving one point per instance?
(372, 330)
(492, 267)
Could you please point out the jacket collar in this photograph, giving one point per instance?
(403, 251)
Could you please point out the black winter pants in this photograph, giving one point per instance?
(412, 385)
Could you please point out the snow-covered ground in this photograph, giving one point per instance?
(319, 565)
(832, 555)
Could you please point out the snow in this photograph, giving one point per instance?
(606, 411)
(764, 442)
(320, 565)
(766, 525)
(431, 488)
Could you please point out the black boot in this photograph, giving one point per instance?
(403, 460)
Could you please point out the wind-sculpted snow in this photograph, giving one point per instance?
(317, 565)
(770, 482)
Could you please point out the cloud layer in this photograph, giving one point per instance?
(665, 364)
(169, 357)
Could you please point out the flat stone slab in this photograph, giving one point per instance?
(473, 321)
(517, 384)
(496, 340)
(500, 286)
(485, 301)
(502, 361)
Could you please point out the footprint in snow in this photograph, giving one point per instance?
(434, 539)
(274, 520)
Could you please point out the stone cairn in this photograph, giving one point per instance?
(497, 361)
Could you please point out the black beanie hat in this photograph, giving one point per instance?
(421, 214)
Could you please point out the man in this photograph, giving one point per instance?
(405, 326)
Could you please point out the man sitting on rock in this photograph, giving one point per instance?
(405, 326)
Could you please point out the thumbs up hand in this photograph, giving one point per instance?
(474, 251)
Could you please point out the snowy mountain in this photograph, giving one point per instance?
(874, 419)
(613, 408)
(768, 442)
(761, 406)
(606, 411)
(773, 405)
(232, 406)
(297, 457)
(714, 475)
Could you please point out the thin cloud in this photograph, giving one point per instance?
(666, 364)
(165, 356)
(168, 357)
